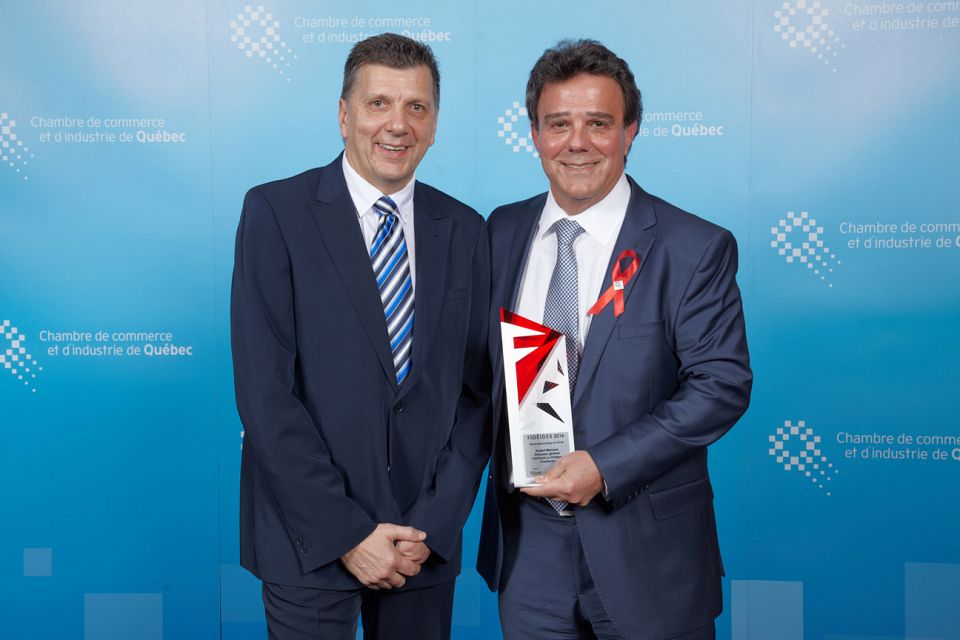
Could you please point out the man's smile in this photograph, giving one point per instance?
(392, 148)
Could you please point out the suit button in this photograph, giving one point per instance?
(299, 542)
(398, 408)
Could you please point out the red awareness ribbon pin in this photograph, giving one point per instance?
(620, 279)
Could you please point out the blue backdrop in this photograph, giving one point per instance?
(823, 133)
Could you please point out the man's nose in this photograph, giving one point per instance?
(397, 123)
(578, 140)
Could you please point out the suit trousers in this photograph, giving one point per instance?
(302, 613)
(547, 591)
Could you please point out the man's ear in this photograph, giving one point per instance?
(342, 118)
(628, 135)
(433, 133)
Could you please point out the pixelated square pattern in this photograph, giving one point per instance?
(798, 448)
(511, 123)
(14, 357)
(38, 563)
(257, 34)
(123, 616)
(13, 152)
(766, 609)
(799, 240)
(803, 24)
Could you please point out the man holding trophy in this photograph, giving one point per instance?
(618, 341)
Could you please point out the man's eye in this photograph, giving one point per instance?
(377, 103)
(418, 108)
(558, 124)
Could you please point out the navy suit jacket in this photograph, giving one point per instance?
(655, 387)
(332, 446)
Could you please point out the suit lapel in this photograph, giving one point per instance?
(336, 218)
(636, 234)
(520, 247)
(521, 237)
(432, 231)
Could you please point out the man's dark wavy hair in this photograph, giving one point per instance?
(572, 57)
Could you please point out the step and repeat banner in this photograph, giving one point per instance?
(823, 133)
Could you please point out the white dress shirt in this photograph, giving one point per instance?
(364, 195)
(601, 224)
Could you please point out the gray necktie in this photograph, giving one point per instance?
(562, 309)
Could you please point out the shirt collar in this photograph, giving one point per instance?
(364, 194)
(595, 220)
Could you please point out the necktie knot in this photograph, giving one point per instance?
(567, 231)
(385, 206)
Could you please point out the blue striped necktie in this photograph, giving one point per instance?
(391, 266)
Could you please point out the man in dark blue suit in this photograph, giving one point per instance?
(646, 294)
(359, 308)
